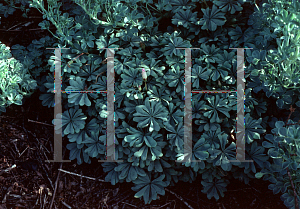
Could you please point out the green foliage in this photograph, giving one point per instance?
(10, 6)
(149, 189)
(283, 148)
(149, 125)
(213, 188)
(15, 80)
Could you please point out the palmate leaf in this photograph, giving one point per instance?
(47, 99)
(175, 117)
(210, 172)
(217, 104)
(163, 5)
(132, 77)
(213, 188)
(155, 70)
(77, 152)
(112, 176)
(130, 172)
(261, 107)
(78, 98)
(184, 18)
(135, 138)
(151, 114)
(187, 34)
(212, 18)
(210, 53)
(199, 73)
(92, 126)
(256, 154)
(229, 5)
(132, 93)
(177, 5)
(103, 42)
(175, 78)
(95, 144)
(171, 176)
(50, 82)
(198, 108)
(199, 152)
(175, 62)
(212, 36)
(273, 146)
(289, 198)
(253, 129)
(73, 120)
(100, 85)
(188, 175)
(148, 153)
(176, 136)
(205, 125)
(222, 156)
(177, 42)
(87, 42)
(221, 58)
(200, 149)
(237, 35)
(131, 106)
(158, 165)
(149, 189)
(211, 137)
(146, 145)
(89, 72)
(160, 94)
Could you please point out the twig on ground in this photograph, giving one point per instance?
(80, 180)
(120, 200)
(65, 204)
(129, 204)
(165, 204)
(56, 183)
(235, 190)
(24, 151)
(39, 122)
(81, 175)
(8, 169)
(27, 131)
(55, 187)
(14, 26)
(5, 30)
(179, 197)
(8, 191)
(45, 200)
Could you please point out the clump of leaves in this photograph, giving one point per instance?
(149, 85)
(15, 80)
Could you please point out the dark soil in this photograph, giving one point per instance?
(27, 142)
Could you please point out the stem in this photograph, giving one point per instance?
(295, 194)
(205, 4)
(292, 183)
(52, 33)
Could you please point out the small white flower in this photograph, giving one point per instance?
(144, 75)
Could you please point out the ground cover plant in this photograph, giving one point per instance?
(149, 89)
